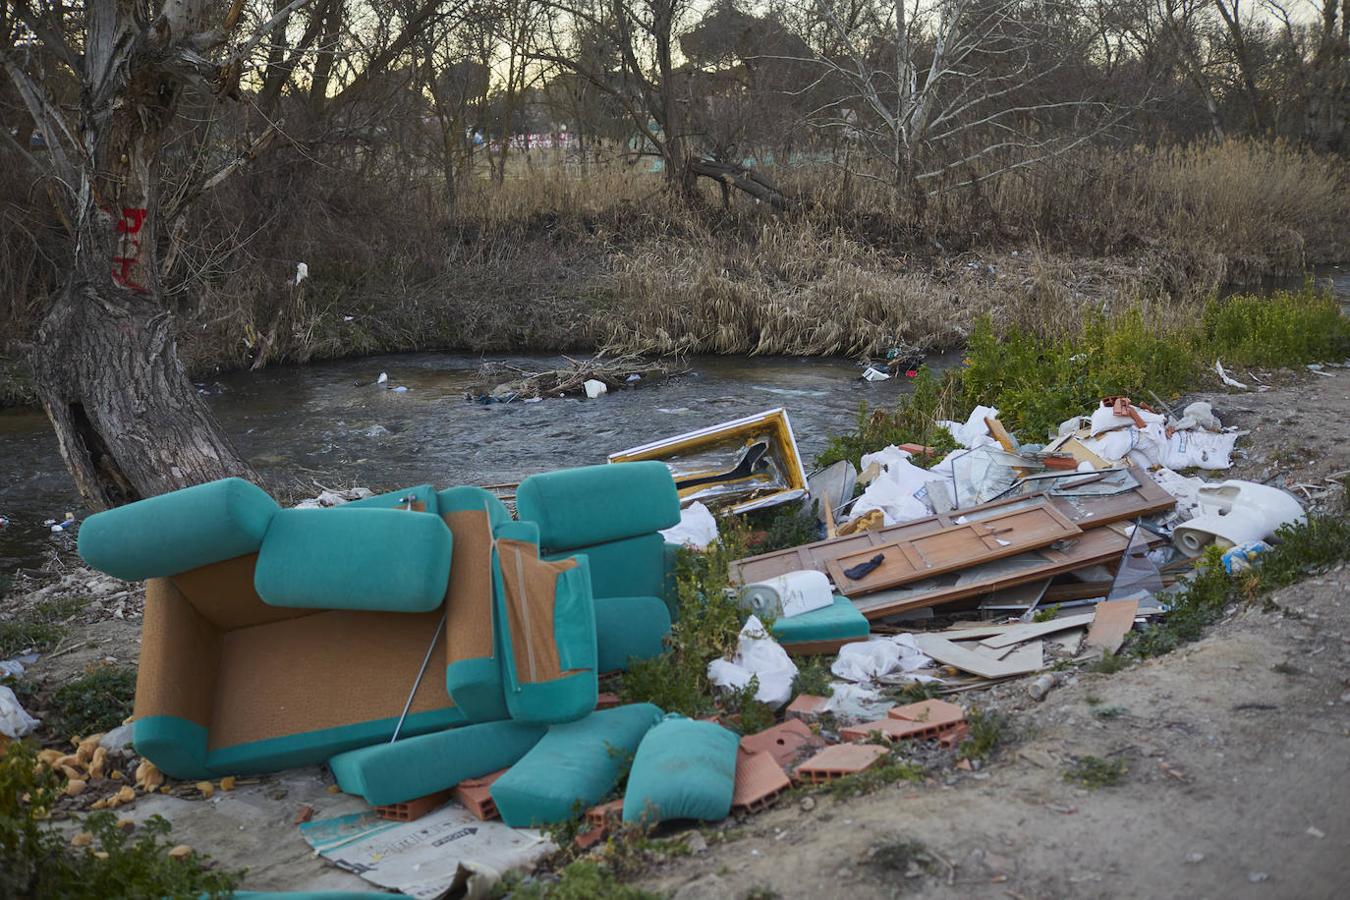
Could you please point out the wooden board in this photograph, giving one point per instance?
(1093, 546)
(1087, 512)
(1020, 633)
(944, 651)
(950, 549)
(1112, 621)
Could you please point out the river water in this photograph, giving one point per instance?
(326, 423)
(316, 424)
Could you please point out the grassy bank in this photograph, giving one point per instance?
(1036, 382)
(566, 259)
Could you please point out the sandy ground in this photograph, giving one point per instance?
(1238, 751)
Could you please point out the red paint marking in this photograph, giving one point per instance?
(129, 249)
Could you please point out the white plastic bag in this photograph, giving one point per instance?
(900, 491)
(871, 659)
(974, 433)
(757, 656)
(15, 722)
(697, 528)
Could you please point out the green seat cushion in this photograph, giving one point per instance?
(549, 673)
(573, 767)
(627, 628)
(417, 766)
(424, 494)
(179, 531)
(596, 504)
(683, 769)
(632, 567)
(839, 621)
(388, 560)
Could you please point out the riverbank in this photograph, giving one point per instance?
(557, 259)
(1226, 747)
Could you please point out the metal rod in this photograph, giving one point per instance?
(435, 639)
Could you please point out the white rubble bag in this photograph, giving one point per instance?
(757, 656)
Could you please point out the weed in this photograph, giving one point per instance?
(754, 716)
(787, 526)
(39, 627)
(1288, 328)
(914, 421)
(987, 733)
(760, 892)
(1110, 712)
(581, 880)
(1195, 606)
(813, 677)
(1301, 550)
(96, 701)
(38, 861)
(901, 857)
(1045, 614)
(1095, 772)
(916, 691)
(1110, 663)
(1092, 700)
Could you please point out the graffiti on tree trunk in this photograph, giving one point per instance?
(127, 268)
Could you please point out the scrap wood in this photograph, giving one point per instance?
(1020, 633)
(1112, 621)
(500, 379)
(944, 651)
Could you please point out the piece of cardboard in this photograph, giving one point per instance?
(944, 651)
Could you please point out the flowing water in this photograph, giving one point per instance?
(326, 424)
(315, 424)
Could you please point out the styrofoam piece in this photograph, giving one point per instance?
(595, 388)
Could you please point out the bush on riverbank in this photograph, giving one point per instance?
(1038, 382)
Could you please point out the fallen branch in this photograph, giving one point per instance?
(499, 382)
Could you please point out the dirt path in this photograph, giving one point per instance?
(1237, 748)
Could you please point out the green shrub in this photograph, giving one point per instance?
(913, 421)
(1285, 329)
(1095, 772)
(97, 701)
(37, 861)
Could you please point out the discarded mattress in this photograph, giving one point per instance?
(417, 766)
(574, 764)
(684, 769)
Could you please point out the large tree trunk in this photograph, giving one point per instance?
(129, 422)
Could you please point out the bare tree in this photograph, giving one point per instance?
(956, 87)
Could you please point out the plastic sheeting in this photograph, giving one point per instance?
(15, 722)
(697, 528)
(899, 492)
(880, 656)
(757, 656)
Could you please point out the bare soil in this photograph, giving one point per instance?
(1237, 750)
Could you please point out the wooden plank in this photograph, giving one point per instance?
(1112, 621)
(950, 549)
(1093, 546)
(1087, 512)
(1036, 629)
(944, 651)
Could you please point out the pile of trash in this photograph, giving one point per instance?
(501, 382)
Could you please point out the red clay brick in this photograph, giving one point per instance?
(412, 809)
(838, 761)
(759, 779)
(785, 742)
(474, 794)
(806, 707)
(931, 712)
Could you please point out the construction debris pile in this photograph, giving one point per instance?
(484, 651)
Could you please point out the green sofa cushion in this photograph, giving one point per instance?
(683, 770)
(178, 531)
(628, 627)
(632, 567)
(417, 766)
(469, 497)
(422, 493)
(572, 692)
(573, 767)
(830, 623)
(310, 748)
(596, 504)
(387, 560)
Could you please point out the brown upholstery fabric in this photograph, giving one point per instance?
(530, 595)
(332, 668)
(223, 593)
(180, 656)
(468, 621)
